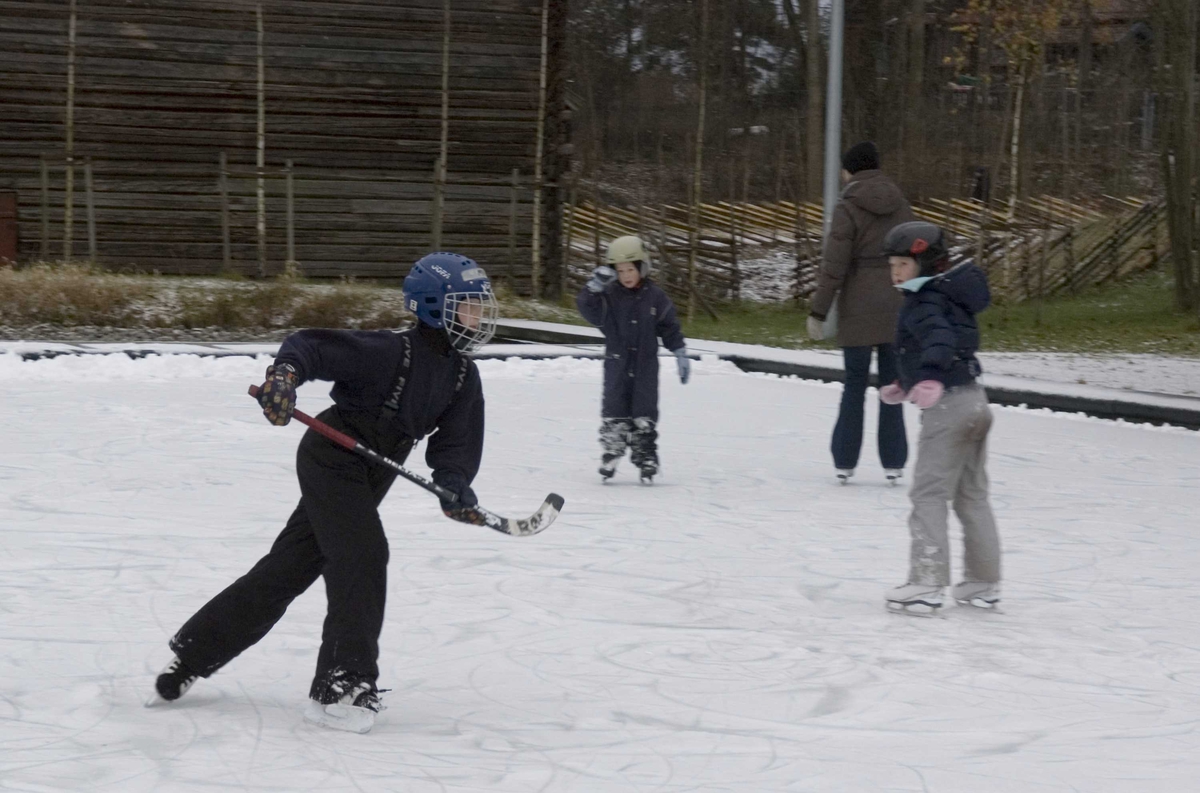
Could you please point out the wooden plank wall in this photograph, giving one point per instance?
(353, 98)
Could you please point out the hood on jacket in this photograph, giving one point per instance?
(966, 285)
(874, 192)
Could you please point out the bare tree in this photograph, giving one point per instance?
(1178, 28)
(912, 140)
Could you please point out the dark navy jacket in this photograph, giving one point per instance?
(632, 321)
(364, 366)
(936, 335)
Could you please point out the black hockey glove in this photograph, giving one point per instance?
(463, 508)
(278, 394)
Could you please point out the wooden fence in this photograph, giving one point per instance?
(1050, 246)
(190, 112)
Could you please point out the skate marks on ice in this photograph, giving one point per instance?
(723, 633)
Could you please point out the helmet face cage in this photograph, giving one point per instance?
(469, 319)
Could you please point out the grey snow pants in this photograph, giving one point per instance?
(952, 467)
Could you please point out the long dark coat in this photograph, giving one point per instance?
(632, 321)
(855, 269)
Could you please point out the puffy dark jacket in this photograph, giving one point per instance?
(632, 321)
(855, 268)
(364, 365)
(937, 335)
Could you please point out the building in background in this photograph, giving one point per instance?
(352, 96)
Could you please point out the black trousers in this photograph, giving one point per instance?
(848, 432)
(335, 533)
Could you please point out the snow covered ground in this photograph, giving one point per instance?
(1159, 374)
(720, 631)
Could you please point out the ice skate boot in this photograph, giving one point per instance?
(614, 439)
(608, 467)
(977, 594)
(643, 449)
(893, 475)
(921, 600)
(844, 474)
(352, 710)
(173, 682)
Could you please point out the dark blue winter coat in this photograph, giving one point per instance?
(632, 321)
(364, 367)
(936, 334)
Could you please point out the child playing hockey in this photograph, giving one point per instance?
(390, 389)
(633, 313)
(936, 340)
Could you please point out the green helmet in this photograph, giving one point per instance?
(628, 249)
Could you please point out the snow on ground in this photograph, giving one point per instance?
(769, 277)
(720, 631)
(1158, 374)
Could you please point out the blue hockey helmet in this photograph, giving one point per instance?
(452, 292)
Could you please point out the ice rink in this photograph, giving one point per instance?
(722, 630)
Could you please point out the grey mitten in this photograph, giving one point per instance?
(602, 278)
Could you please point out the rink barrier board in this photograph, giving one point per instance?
(1140, 412)
(1127, 410)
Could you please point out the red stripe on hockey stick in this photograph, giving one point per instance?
(478, 516)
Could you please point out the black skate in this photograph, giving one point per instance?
(608, 466)
(344, 704)
(173, 682)
(647, 472)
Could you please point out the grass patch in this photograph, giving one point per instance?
(1137, 315)
(773, 324)
(73, 296)
(69, 295)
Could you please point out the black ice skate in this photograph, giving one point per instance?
(608, 466)
(173, 682)
(343, 704)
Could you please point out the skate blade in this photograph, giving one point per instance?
(979, 604)
(347, 718)
(154, 701)
(924, 610)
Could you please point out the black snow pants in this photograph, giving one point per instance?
(335, 532)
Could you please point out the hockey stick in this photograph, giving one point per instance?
(477, 516)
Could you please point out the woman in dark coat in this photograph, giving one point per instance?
(855, 273)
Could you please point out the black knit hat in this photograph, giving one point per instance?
(861, 157)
